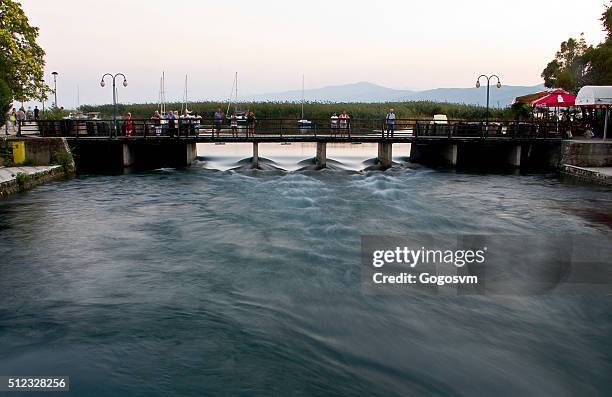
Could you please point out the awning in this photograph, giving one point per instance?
(595, 96)
(527, 99)
(555, 99)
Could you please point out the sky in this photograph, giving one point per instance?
(400, 44)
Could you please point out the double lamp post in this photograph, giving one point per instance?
(125, 84)
(488, 78)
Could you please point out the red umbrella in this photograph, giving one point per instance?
(555, 99)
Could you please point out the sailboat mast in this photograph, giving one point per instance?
(162, 93)
(186, 95)
(302, 97)
(236, 102)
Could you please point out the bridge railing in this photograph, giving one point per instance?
(364, 129)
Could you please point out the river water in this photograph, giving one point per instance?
(208, 281)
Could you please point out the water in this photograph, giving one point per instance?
(206, 281)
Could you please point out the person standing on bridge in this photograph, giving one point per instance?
(218, 120)
(129, 125)
(171, 123)
(390, 123)
(36, 113)
(334, 123)
(157, 123)
(344, 123)
(250, 116)
(234, 124)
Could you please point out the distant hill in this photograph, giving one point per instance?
(368, 92)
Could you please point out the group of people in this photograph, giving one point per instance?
(248, 116)
(14, 117)
(341, 123)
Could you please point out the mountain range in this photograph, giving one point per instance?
(369, 92)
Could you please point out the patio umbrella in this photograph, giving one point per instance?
(555, 99)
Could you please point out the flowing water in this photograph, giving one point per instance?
(208, 280)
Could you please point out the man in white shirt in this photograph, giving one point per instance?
(390, 123)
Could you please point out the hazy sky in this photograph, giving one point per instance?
(399, 44)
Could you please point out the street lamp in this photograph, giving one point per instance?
(498, 85)
(55, 87)
(125, 84)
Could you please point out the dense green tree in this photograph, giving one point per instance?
(6, 97)
(569, 68)
(577, 64)
(599, 64)
(606, 19)
(21, 58)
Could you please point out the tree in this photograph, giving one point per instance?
(599, 64)
(606, 19)
(576, 64)
(599, 59)
(569, 68)
(21, 58)
(6, 97)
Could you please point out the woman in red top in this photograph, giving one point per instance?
(128, 125)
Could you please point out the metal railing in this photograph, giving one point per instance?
(289, 129)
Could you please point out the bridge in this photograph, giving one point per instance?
(173, 142)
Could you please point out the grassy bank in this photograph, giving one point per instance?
(319, 110)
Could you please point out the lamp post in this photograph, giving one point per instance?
(55, 87)
(125, 83)
(498, 85)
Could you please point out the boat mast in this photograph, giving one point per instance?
(236, 102)
(162, 93)
(184, 97)
(302, 97)
(231, 97)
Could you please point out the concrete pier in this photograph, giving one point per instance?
(128, 155)
(385, 154)
(255, 159)
(449, 154)
(321, 157)
(513, 158)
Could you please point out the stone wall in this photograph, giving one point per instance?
(26, 182)
(587, 153)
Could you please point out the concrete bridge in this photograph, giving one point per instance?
(107, 144)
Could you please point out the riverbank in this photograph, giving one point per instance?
(17, 179)
(40, 160)
(592, 175)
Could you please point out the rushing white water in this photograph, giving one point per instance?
(212, 281)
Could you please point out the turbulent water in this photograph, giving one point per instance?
(208, 280)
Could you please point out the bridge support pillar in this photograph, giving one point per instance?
(255, 159)
(192, 152)
(321, 159)
(128, 155)
(449, 154)
(385, 152)
(514, 155)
